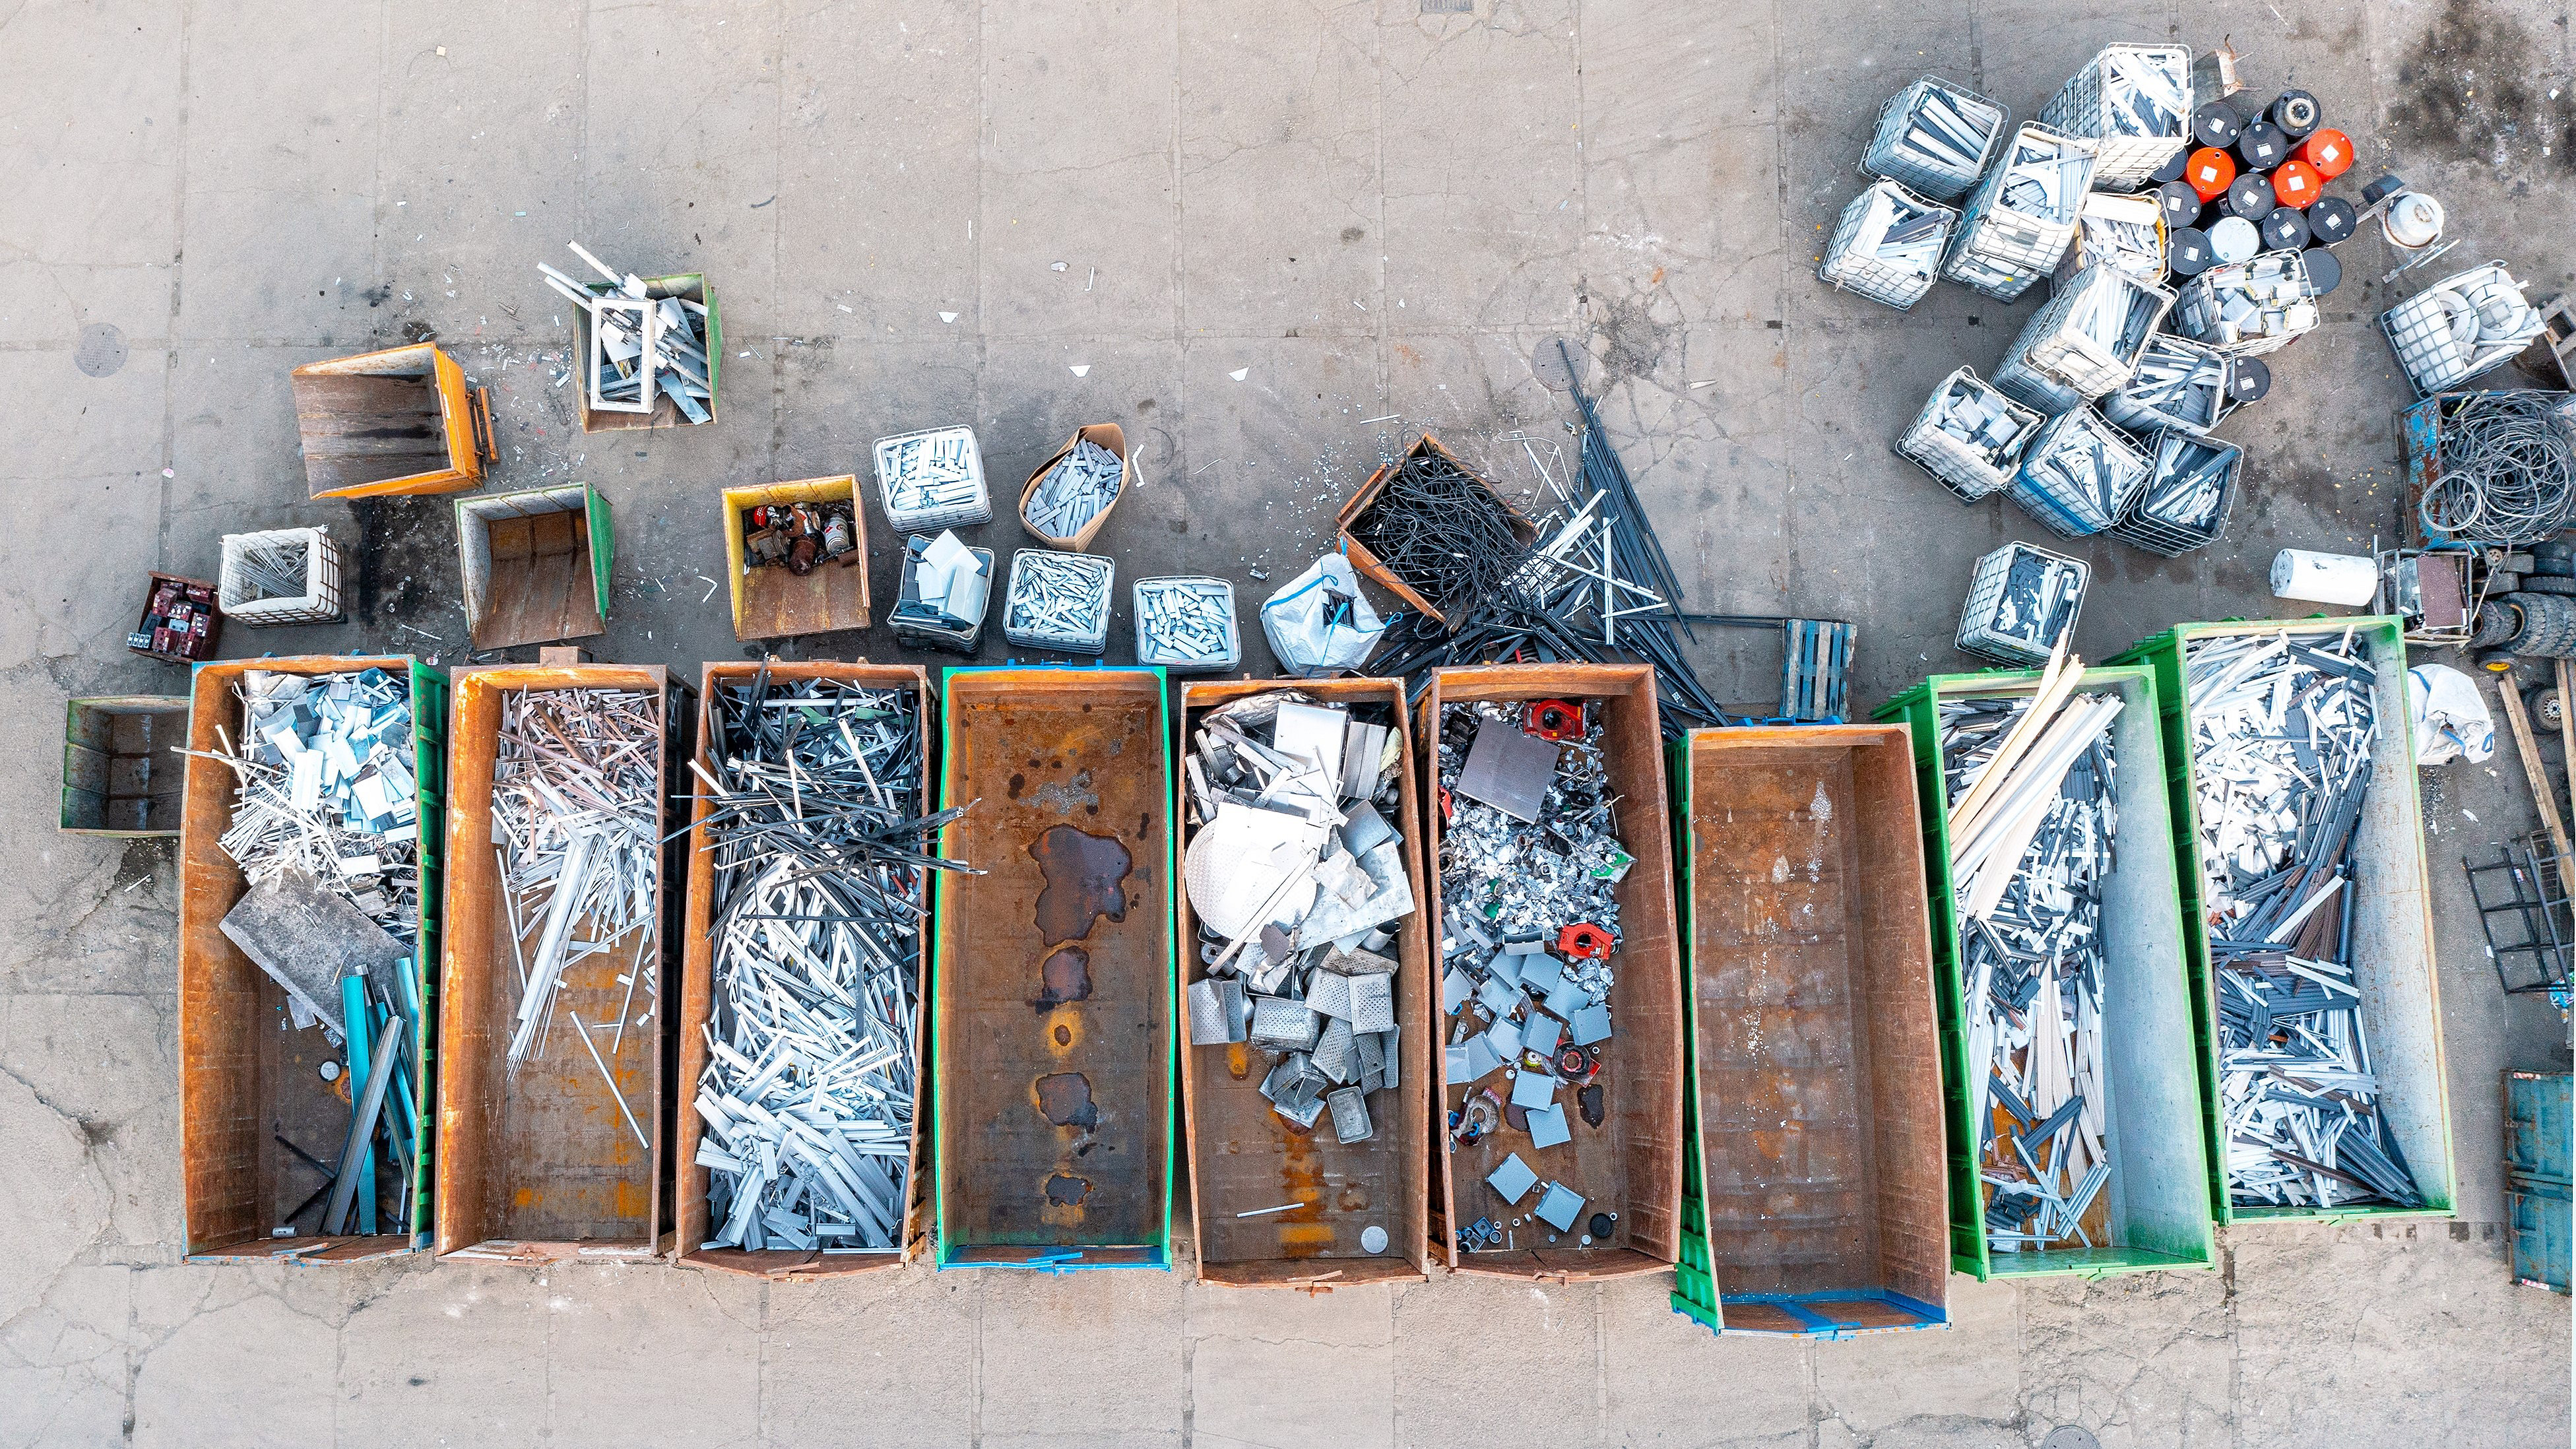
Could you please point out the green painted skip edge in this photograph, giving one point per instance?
(2163, 652)
(941, 1246)
(1969, 1251)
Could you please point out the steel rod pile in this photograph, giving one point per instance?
(2282, 731)
(2033, 816)
(576, 812)
(1441, 529)
(1297, 884)
(273, 570)
(1598, 589)
(821, 878)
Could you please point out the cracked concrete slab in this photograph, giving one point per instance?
(1382, 213)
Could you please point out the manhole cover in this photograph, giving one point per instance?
(2069, 1437)
(102, 350)
(1548, 363)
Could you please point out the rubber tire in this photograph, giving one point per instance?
(2553, 556)
(2496, 622)
(2495, 661)
(2544, 709)
(2499, 581)
(2549, 584)
(2548, 626)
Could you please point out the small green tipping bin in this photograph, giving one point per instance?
(2401, 1003)
(1054, 1042)
(2158, 1188)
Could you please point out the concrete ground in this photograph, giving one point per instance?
(1275, 242)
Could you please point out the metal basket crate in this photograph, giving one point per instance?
(2191, 483)
(2022, 600)
(2028, 385)
(2210, 309)
(1077, 621)
(2010, 237)
(1213, 646)
(1887, 247)
(2062, 486)
(1966, 462)
(2177, 383)
(2090, 334)
(2137, 133)
(1923, 153)
(2459, 327)
(280, 576)
(952, 502)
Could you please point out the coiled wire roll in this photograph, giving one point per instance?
(2508, 470)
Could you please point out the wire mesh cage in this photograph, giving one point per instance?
(1059, 601)
(2177, 383)
(1935, 138)
(2079, 475)
(932, 479)
(2023, 214)
(2134, 102)
(1969, 435)
(2191, 483)
(2022, 601)
(2248, 308)
(1887, 246)
(2460, 327)
(281, 576)
(1186, 624)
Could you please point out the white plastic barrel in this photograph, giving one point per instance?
(2323, 578)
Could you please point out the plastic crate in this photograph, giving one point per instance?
(2178, 450)
(2450, 332)
(892, 455)
(2401, 998)
(2129, 156)
(2160, 1177)
(1145, 593)
(1919, 171)
(2057, 344)
(1967, 469)
(306, 554)
(1852, 259)
(2146, 406)
(2002, 626)
(2087, 507)
(2199, 311)
(1998, 249)
(1087, 633)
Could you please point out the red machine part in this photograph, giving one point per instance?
(1585, 940)
(1553, 719)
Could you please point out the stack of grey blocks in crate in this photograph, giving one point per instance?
(2099, 417)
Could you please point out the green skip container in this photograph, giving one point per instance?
(2158, 1190)
(2401, 1002)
